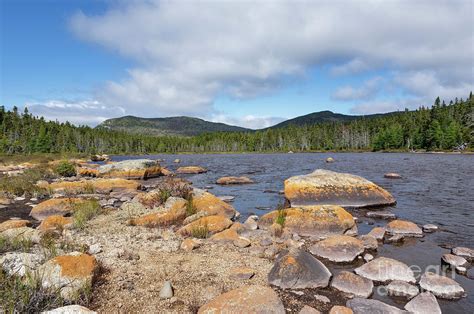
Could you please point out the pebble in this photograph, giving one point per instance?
(95, 248)
(322, 298)
(167, 291)
(368, 257)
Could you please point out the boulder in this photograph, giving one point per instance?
(210, 204)
(399, 288)
(392, 175)
(296, 269)
(251, 223)
(228, 235)
(465, 252)
(428, 228)
(454, 261)
(54, 206)
(19, 264)
(403, 228)
(383, 269)
(369, 242)
(92, 186)
(330, 160)
(339, 248)
(441, 286)
(317, 221)
(424, 303)
(70, 309)
(352, 284)
(13, 223)
(173, 212)
(21, 234)
(241, 242)
(233, 180)
(191, 170)
(212, 225)
(69, 273)
(131, 169)
(378, 233)
(338, 309)
(56, 222)
(364, 306)
(329, 187)
(246, 299)
(103, 157)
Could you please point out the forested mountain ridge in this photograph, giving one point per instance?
(178, 126)
(441, 127)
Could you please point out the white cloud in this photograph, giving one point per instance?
(248, 121)
(367, 91)
(186, 53)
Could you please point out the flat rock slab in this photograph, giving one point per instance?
(454, 261)
(441, 286)
(340, 248)
(424, 303)
(383, 214)
(242, 273)
(191, 170)
(378, 233)
(247, 299)
(392, 175)
(352, 284)
(428, 228)
(234, 180)
(329, 187)
(70, 309)
(369, 242)
(465, 252)
(296, 269)
(383, 269)
(131, 169)
(403, 228)
(365, 306)
(399, 288)
(315, 221)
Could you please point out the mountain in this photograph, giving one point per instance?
(323, 116)
(177, 126)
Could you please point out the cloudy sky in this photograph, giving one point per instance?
(248, 63)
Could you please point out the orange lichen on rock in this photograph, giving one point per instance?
(55, 222)
(76, 266)
(13, 223)
(191, 170)
(90, 186)
(54, 206)
(228, 235)
(212, 205)
(172, 215)
(87, 172)
(213, 224)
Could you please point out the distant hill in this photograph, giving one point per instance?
(322, 116)
(176, 126)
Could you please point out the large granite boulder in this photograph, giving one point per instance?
(246, 299)
(329, 187)
(19, 264)
(441, 286)
(338, 248)
(296, 269)
(173, 212)
(365, 306)
(13, 223)
(317, 221)
(383, 269)
(211, 205)
(131, 169)
(209, 225)
(69, 274)
(55, 206)
(91, 186)
(424, 303)
(352, 284)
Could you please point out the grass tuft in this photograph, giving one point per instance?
(190, 208)
(16, 244)
(85, 211)
(200, 231)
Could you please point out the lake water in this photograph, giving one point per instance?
(435, 188)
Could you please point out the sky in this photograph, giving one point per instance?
(246, 63)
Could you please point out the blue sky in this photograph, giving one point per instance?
(246, 63)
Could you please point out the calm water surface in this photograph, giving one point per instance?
(436, 188)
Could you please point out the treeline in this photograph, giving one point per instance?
(441, 127)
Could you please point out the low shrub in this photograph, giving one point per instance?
(25, 183)
(85, 211)
(65, 169)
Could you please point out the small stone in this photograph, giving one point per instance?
(402, 289)
(330, 160)
(95, 248)
(299, 293)
(242, 273)
(309, 310)
(166, 291)
(430, 228)
(398, 238)
(189, 244)
(378, 233)
(461, 270)
(392, 175)
(251, 223)
(424, 303)
(368, 257)
(242, 242)
(322, 298)
(338, 309)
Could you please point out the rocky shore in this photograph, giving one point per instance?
(109, 239)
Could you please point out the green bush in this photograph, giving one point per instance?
(65, 169)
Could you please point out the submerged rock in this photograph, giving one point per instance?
(131, 169)
(369, 242)
(365, 306)
(246, 299)
(454, 261)
(424, 303)
(441, 286)
(234, 180)
(465, 252)
(428, 228)
(383, 214)
(383, 269)
(317, 221)
(392, 175)
(191, 170)
(339, 248)
(403, 228)
(329, 187)
(402, 289)
(352, 284)
(68, 273)
(296, 269)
